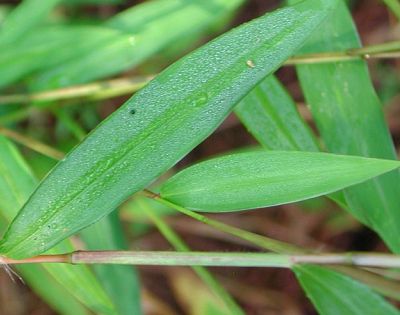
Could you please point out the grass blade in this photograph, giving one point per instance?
(157, 127)
(334, 293)
(120, 282)
(261, 179)
(350, 119)
(270, 115)
(36, 50)
(140, 37)
(394, 6)
(51, 291)
(16, 184)
(23, 18)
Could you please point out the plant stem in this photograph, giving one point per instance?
(215, 259)
(202, 272)
(32, 144)
(380, 284)
(92, 91)
(262, 241)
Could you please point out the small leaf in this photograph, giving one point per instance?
(333, 293)
(173, 113)
(262, 179)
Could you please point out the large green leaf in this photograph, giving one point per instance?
(16, 184)
(157, 127)
(333, 293)
(350, 119)
(121, 282)
(262, 179)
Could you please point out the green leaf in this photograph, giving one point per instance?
(157, 127)
(394, 6)
(270, 115)
(16, 184)
(333, 293)
(120, 282)
(47, 47)
(145, 30)
(350, 120)
(262, 179)
(51, 291)
(23, 18)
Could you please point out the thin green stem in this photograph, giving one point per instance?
(202, 272)
(91, 91)
(262, 241)
(380, 284)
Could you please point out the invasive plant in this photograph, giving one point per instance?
(353, 162)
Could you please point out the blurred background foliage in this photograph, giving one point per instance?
(66, 65)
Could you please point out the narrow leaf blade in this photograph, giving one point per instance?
(23, 18)
(271, 116)
(262, 179)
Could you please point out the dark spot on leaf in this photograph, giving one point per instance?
(132, 111)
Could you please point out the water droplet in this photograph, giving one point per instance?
(250, 63)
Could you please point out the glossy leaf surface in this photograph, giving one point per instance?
(157, 127)
(262, 179)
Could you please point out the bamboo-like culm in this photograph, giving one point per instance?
(216, 259)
